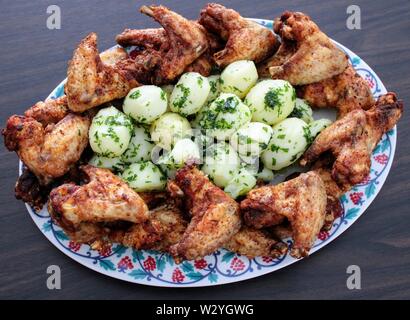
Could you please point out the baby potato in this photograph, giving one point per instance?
(215, 87)
(144, 176)
(302, 111)
(251, 139)
(221, 163)
(239, 77)
(224, 116)
(271, 101)
(265, 174)
(184, 151)
(317, 126)
(170, 128)
(289, 141)
(140, 146)
(145, 104)
(241, 184)
(110, 132)
(189, 94)
(114, 164)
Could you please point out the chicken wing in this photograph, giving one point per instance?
(49, 152)
(91, 82)
(186, 41)
(87, 211)
(245, 39)
(314, 57)
(49, 111)
(215, 215)
(352, 139)
(253, 243)
(153, 38)
(345, 92)
(302, 201)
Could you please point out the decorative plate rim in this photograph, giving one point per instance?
(353, 207)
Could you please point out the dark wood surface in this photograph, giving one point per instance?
(33, 60)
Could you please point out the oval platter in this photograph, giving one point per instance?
(156, 269)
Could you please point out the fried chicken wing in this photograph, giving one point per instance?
(352, 139)
(345, 92)
(91, 82)
(49, 152)
(308, 55)
(253, 243)
(245, 40)
(215, 215)
(302, 201)
(147, 38)
(49, 111)
(186, 41)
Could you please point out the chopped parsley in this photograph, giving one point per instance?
(180, 102)
(135, 95)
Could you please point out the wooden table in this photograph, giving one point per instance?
(34, 59)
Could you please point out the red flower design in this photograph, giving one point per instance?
(370, 81)
(237, 264)
(323, 235)
(150, 263)
(381, 158)
(177, 276)
(267, 259)
(74, 246)
(356, 197)
(125, 263)
(105, 251)
(200, 264)
(365, 180)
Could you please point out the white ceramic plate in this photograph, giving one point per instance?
(156, 269)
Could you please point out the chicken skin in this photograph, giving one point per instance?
(345, 92)
(85, 212)
(91, 82)
(302, 201)
(215, 215)
(245, 40)
(312, 58)
(254, 243)
(186, 41)
(49, 111)
(352, 139)
(49, 152)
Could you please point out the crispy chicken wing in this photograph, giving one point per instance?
(186, 41)
(302, 201)
(245, 40)
(352, 139)
(310, 56)
(49, 152)
(345, 92)
(91, 82)
(49, 111)
(253, 243)
(147, 38)
(215, 215)
(87, 211)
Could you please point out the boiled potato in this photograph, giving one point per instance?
(110, 132)
(302, 111)
(317, 126)
(241, 184)
(189, 94)
(271, 101)
(170, 128)
(114, 164)
(184, 151)
(140, 146)
(146, 103)
(239, 77)
(287, 144)
(144, 176)
(224, 116)
(221, 163)
(215, 87)
(251, 139)
(265, 174)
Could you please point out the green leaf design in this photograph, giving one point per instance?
(138, 274)
(370, 190)
(355, 61)
(194, 275)
(385, 145)
(61, 235)
(137, 255)
(46, 226)
(187, 267)
(351, 213)
(119, 250)
(170, 259)
(213, 277)
(377, 149)
(107, 264)
(227, 256)
(160, 263)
